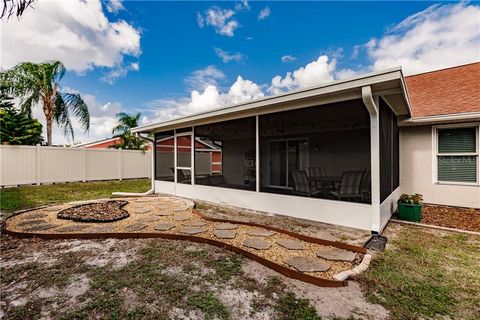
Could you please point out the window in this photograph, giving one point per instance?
(457, 155)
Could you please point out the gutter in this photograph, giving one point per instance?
(152, 186)
(446, 118)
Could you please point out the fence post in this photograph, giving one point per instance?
(37, 165)
(120, 163)
(85, 164)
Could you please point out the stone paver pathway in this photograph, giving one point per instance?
(175, 216)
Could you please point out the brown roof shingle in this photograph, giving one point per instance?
(447, 91)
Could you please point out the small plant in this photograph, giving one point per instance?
(411, 198)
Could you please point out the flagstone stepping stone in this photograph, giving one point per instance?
(163, 226)
(178, 209)
(101, 229)
(34, 215)
(305, 264)
(260, 232)
(52, 209)
(258, 244)
(192, 230)
(142, 210)
(71, 228)
(336, 254)
(136, 227)
(163, 213)
(31, 222)
(181, 217)
(194, 223)
(225, 234)
(291, 244)
(150, 219)
(41, 227)
(226, 226)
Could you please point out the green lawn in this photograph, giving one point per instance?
(426, 273)
(12, 199)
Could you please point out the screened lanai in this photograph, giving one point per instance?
(330, 158)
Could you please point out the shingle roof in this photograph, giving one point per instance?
(447, 91)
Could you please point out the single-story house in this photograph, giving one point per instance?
(102, 144)
(340, 153)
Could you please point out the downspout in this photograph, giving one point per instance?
(372, 108)
(152, 187)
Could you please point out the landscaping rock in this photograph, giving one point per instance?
(304, 264)
(181, 217)
(72, 228)
(225, 234)
(192, 230)
(136, 227)
(101, 229)
(41, 227)
(163, 226)
(178, 209)
(149, 219)
(260, 232)
(34, 215)
(104, 211)
(258, 244)
(31, 222)
(142, 210)
(336, 254)
(226, 226)
(194, 223)
(164, 213)
(291, 244)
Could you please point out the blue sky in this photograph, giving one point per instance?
(150, 56)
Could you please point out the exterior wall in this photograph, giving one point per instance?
(35, 164)
(416, 171)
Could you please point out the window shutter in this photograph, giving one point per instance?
(457, 168)
(460, 140)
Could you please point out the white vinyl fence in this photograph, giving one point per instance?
(37, 164)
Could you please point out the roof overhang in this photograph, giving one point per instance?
(388, 84)
(439, 119)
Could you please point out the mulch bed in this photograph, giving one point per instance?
(96, 212)
(451, 217)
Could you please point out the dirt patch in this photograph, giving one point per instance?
(96, 212)
(451, 217)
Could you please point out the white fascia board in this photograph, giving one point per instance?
(445, 118)
(350, 87)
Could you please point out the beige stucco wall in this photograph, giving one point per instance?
(416, 163)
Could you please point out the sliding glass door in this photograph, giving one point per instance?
(285, 156)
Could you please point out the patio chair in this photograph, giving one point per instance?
(350, 186)
(366, 186)
(301, 184)
(314, 173)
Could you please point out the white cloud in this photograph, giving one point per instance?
(75, 32)
(200, 79)
(229, 56)
(288, 58)
(316, 72)
(437, 37)
(242, 5)
(114, 6)
(210, 98)
(264, 13)
(102, 121)
(120, 71)
(220, 19)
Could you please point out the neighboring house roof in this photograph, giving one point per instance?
(445, 92)
(105, 143)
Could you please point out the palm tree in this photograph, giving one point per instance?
(39, 83)
(126, 122)
(129, 141)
